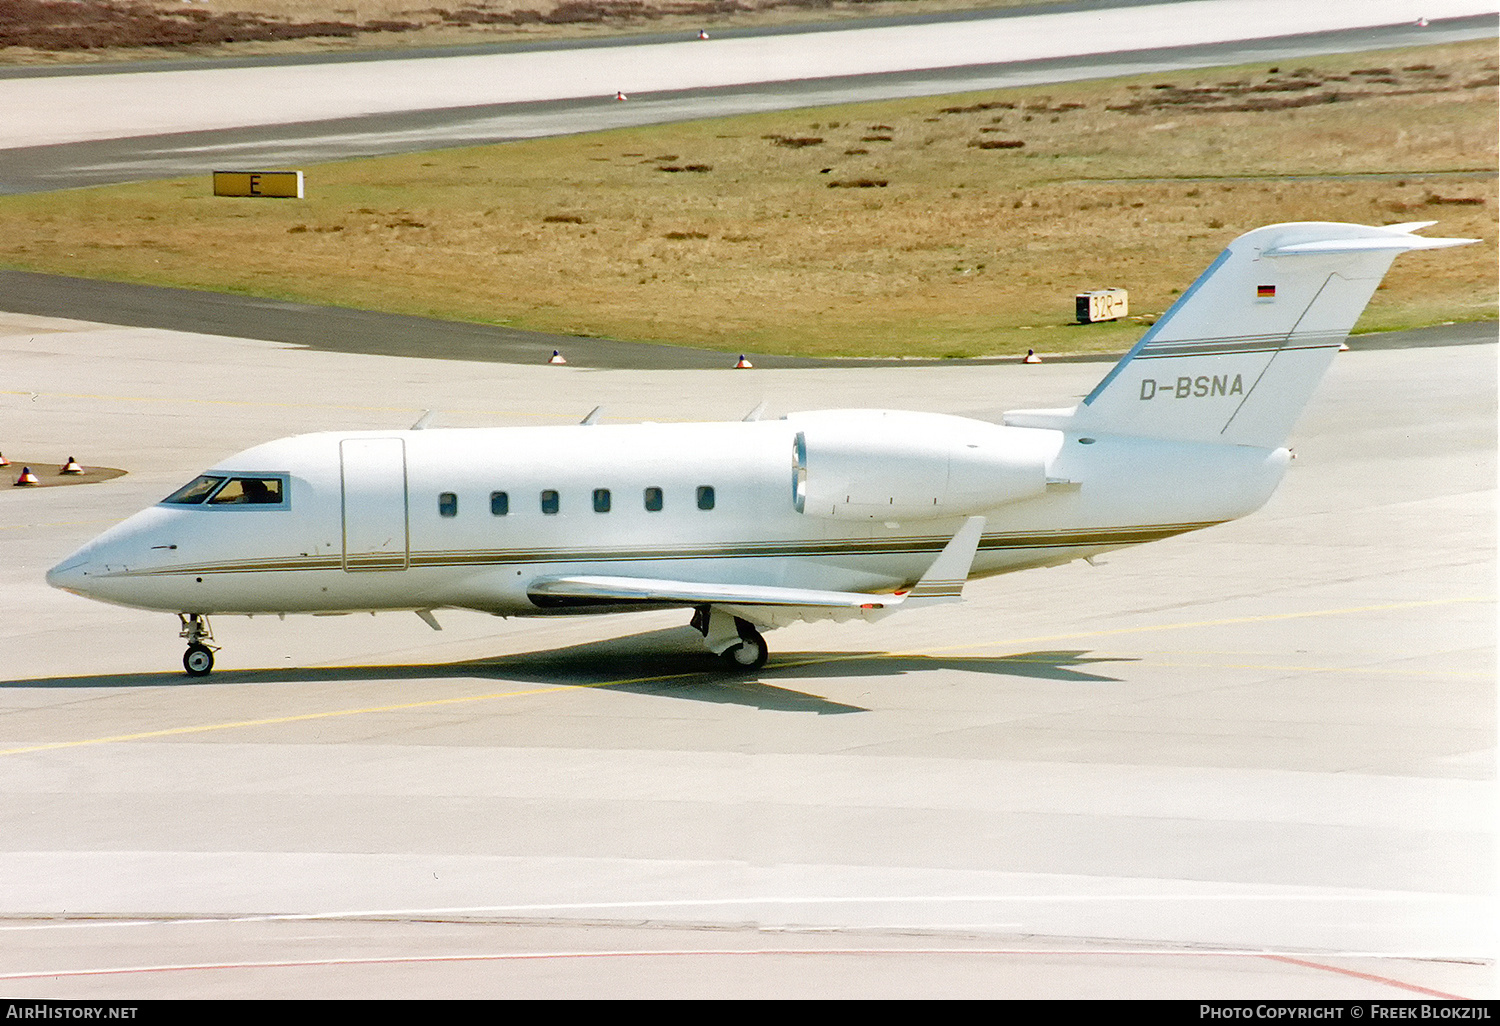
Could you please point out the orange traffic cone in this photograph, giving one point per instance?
(1031, 357)
(744, 364)
(27, 477)
(70, 467)
(1343, 347)
(557, 357)
(620, 96)
(702, 33)
(3, 461)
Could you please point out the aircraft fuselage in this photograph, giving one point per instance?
(471, 518)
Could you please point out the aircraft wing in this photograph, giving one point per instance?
(767, 604)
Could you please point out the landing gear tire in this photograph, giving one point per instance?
(198, 660)
(749, 653)
(733, 638)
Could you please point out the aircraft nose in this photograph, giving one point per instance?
(69, 574)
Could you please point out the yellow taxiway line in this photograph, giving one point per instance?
(853, 657)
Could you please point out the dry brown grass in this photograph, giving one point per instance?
(964, 251)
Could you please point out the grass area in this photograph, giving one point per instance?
(879, 229)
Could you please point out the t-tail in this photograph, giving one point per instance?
(1238, 356)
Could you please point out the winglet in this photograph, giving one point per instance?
(944, 580)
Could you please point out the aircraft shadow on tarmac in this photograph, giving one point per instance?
(665, 663)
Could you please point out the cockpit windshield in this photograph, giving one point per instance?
(223, 490)
(258, 491)
(194, 491)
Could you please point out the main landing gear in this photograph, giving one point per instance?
(731, 638)
(198, 660)
(750, 653)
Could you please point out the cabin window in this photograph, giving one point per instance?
(601, 500)
(499, 503)
(550, 503)
(195, 491)
(705, 497)
(448, 504)
(653, 500)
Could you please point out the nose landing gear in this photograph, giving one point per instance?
(198, 660)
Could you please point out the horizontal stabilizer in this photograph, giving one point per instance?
(1393, 243)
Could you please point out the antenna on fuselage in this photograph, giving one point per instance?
(593, 417)
(754, 414)
(424, 421)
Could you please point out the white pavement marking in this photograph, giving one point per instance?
(1224, 795)
(322, 885)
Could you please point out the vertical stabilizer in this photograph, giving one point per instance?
(1237, 357)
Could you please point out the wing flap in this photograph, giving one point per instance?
(549, 591)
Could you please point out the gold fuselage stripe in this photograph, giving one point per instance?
(1081, 538)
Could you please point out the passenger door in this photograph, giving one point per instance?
(376, 535)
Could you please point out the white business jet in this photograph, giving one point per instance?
(755, 524)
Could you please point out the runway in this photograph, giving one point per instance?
(1255, 761)
(101, 126)
(62, 108)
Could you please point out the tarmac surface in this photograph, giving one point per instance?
(1253, 761)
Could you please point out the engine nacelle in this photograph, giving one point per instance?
(889, 465)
